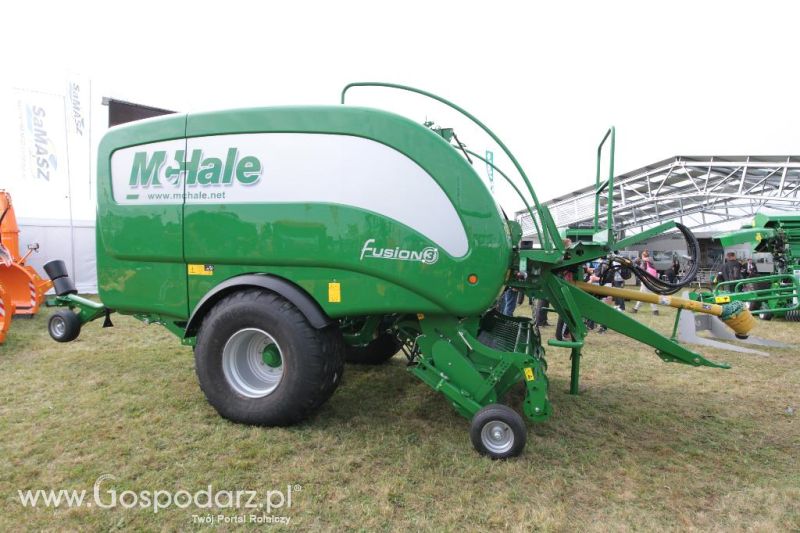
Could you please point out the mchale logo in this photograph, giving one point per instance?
(198, 170)
(428, 256)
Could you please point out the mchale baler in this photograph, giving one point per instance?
(279, 242)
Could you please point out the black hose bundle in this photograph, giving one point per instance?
(654, 283)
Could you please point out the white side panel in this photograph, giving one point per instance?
(148, 188)
(295, 167)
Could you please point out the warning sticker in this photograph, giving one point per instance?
(200, 270)
(334, 292)
(529, 374)
(722, 299)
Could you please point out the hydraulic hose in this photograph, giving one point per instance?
(654, 283)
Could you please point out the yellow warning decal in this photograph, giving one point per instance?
(420, 316)
(722, 299)
(334, 292)
(758, 237)
(200, 270)
(529, 374)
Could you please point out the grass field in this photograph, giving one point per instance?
(646, 446)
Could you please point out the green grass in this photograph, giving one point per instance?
(646, 446)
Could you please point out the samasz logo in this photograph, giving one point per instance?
(43, 152)
(426, 256)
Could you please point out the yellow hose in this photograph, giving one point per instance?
(741, 322)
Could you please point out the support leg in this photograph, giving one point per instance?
(574, 378)
(675, 326)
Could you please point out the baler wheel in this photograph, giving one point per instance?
(335, 347)
(378, 351)
(259, 361)
(64, 326)
(498, 432)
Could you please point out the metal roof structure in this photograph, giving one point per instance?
(698, 191)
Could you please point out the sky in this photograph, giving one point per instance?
(675, 78)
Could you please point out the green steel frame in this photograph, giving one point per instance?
(778, 297)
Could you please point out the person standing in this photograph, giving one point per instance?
(508, 302)
(732, 269)
(619, 282)
(647, 265)
(541, 312)
(674, 270)
(750, 269)
(603, 276)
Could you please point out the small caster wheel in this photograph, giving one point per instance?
(498, 431)
(64, 326)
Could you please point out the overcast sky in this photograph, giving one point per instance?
(675, 77)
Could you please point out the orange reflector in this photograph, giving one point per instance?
(472, 279)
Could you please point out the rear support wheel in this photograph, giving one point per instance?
(498, 432)
(64, 326)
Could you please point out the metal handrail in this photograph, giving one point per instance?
(551, 239)
(788, 289)
(607, 184)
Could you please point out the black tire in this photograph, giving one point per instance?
(310, 359)
(505, 424)
(64, 326)
(378, 351)
(765, 316)
(335, 345)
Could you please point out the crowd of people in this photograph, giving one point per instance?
(734, 270)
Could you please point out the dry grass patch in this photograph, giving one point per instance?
(646, 446)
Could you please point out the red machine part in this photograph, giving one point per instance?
(24, 288)
(6, 312)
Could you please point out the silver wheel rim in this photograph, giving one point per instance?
(244, 366)
(497, 436)
(58, 326)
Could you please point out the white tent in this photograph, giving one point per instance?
(50, 129)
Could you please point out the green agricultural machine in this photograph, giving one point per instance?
(280, 242)
(774, 295)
